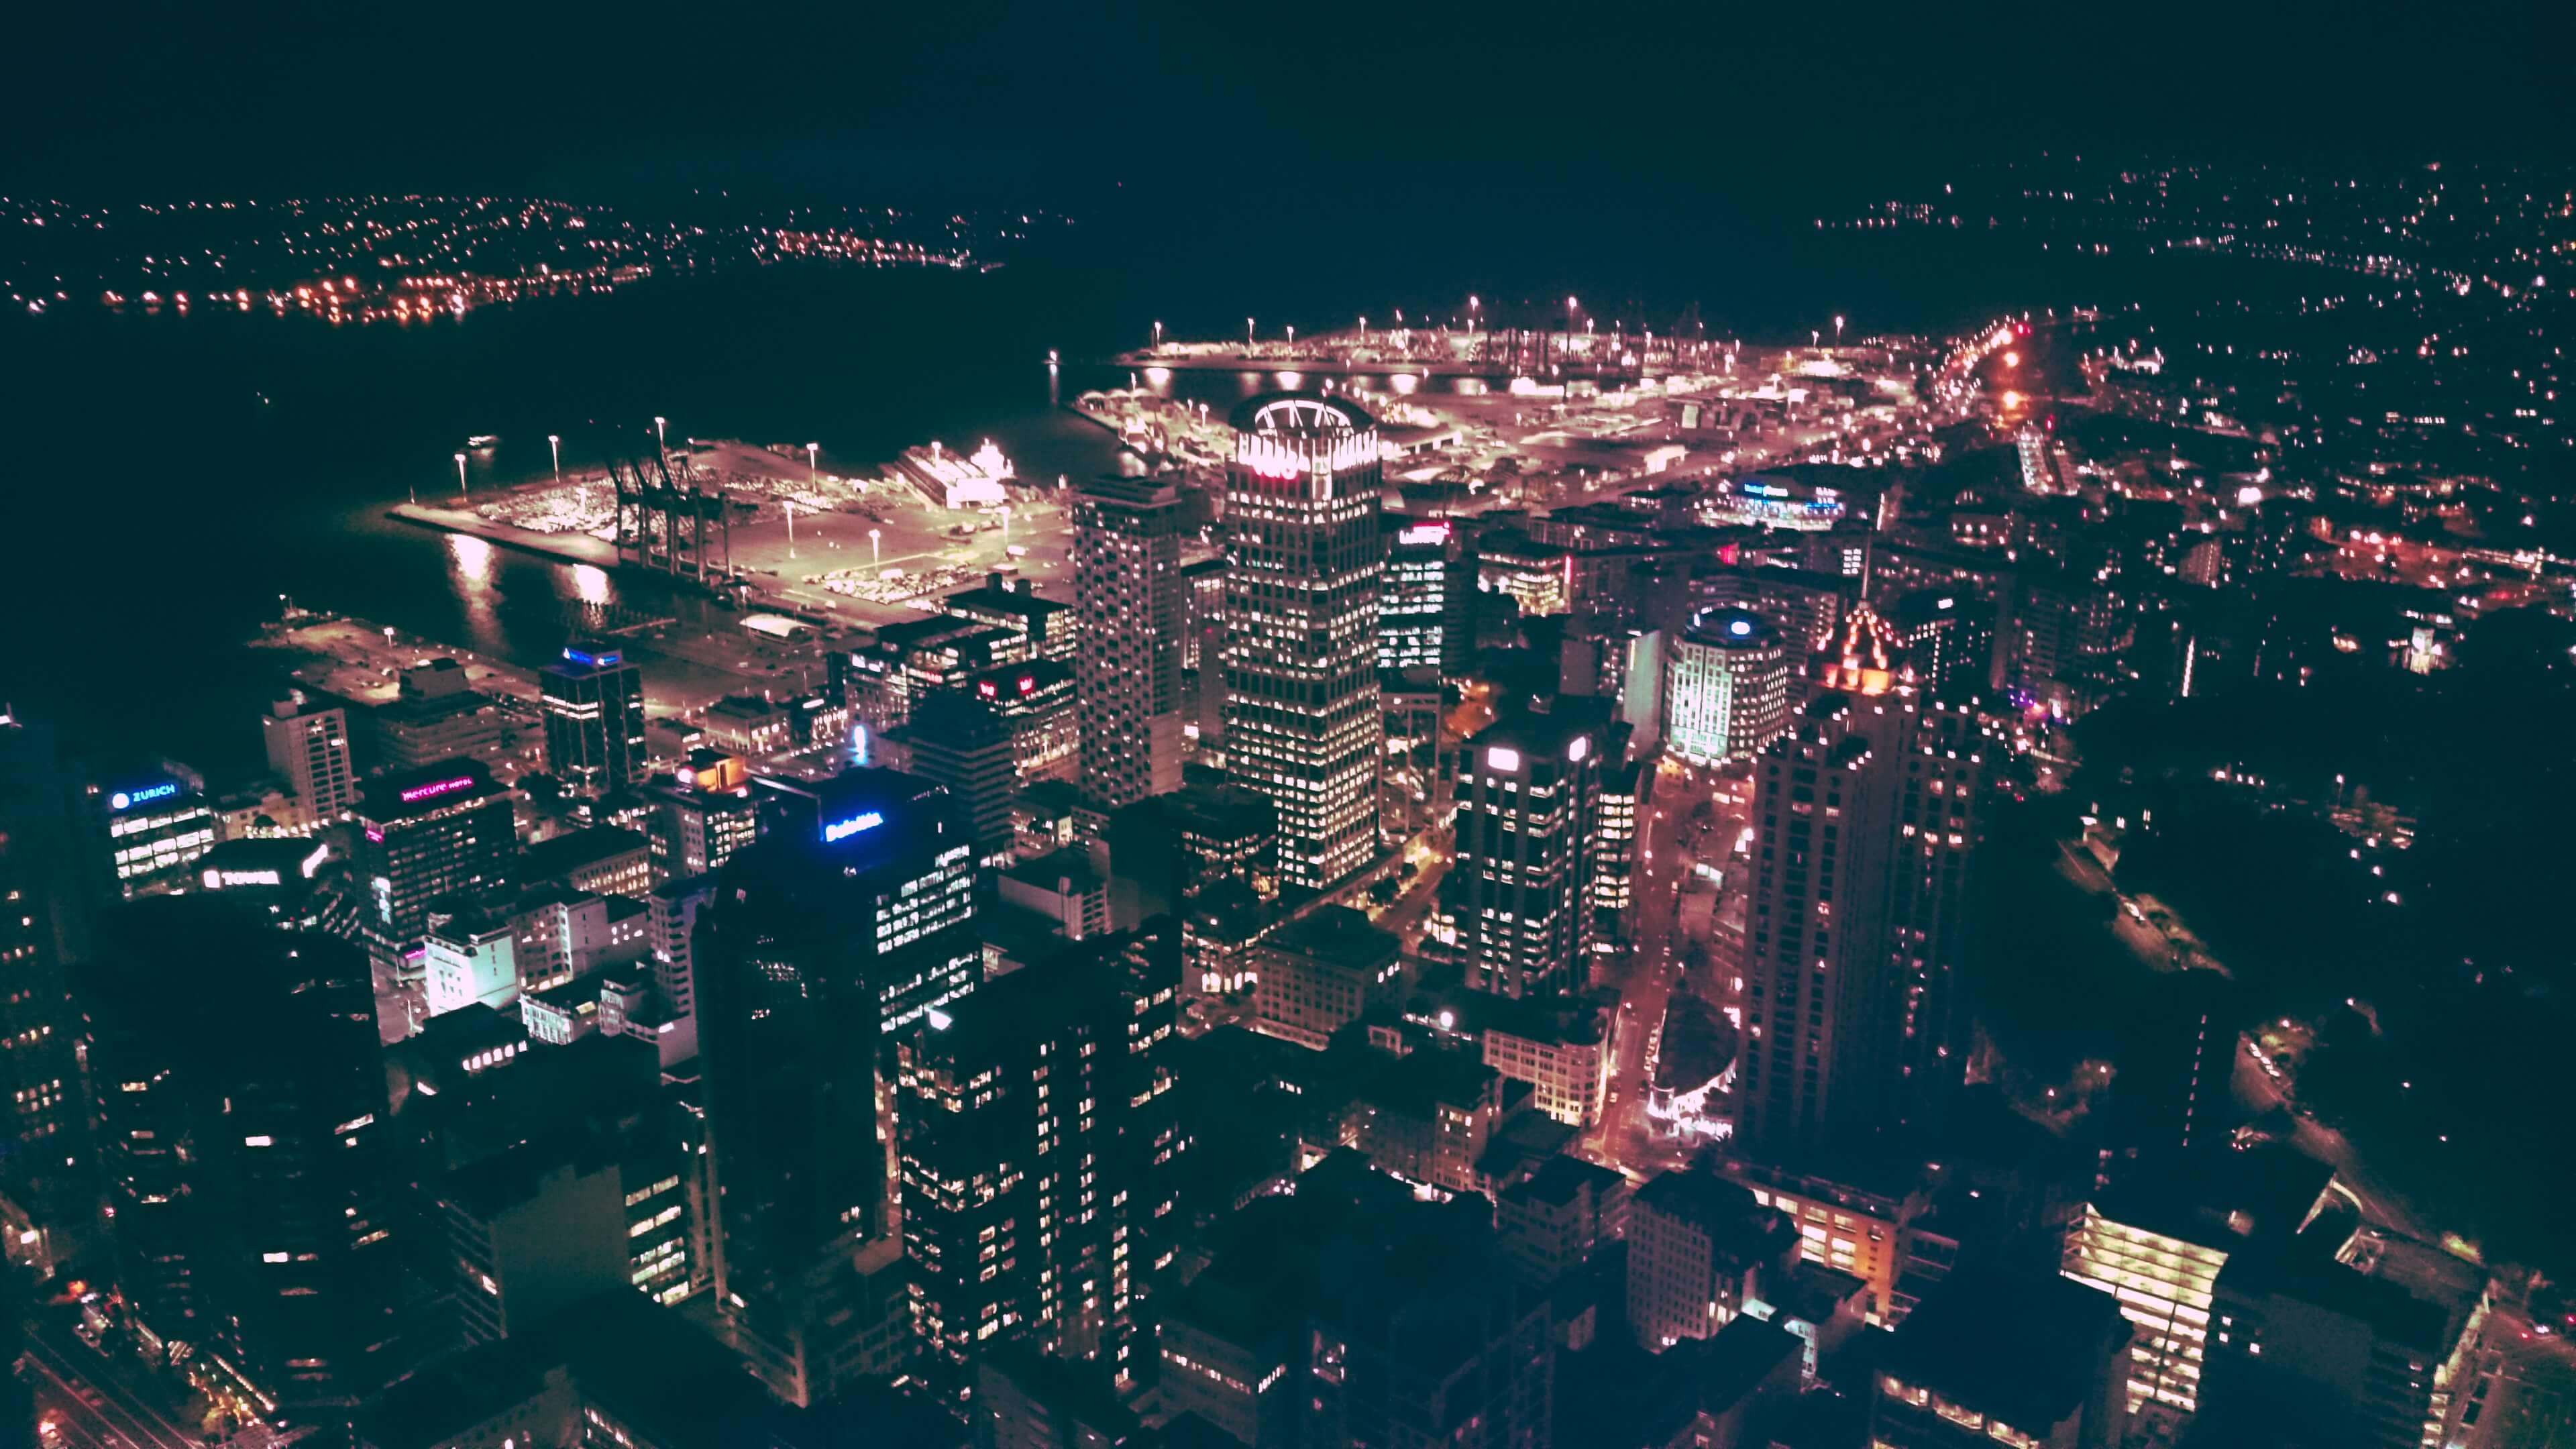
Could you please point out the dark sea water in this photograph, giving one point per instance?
(171, 476)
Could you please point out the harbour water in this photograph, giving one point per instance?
(175, 475)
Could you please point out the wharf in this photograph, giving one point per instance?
(568, 547)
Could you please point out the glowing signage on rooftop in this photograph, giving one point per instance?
(605, 659)
(844, 829)
(128, 799)
(1424, 533)
(437, 788)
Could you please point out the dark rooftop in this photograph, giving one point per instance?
(2028, 1348)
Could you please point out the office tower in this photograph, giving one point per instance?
(594, 703)
(1855, 1227)
(1698, 1248)
(1520, 890)
(1038, 1143)
(242, 1106)
(1867, 819)
(436, 717)
(1026, 1400)
(961, 741)
(1352, 1313)
(1726, 687)
(674, 907)
(2003, 1357)
(2307, 1350)
(2159, 1239)
(1045, 628)
(1949, 640)
(1202, 612)
(1165, 849)
(1627, 789)
(2063, 621)
(836, 929)
(1301, 593)
(1558, 1217)
(529, 1232)
(308, 747)
(1807, 606)
(1323, 971)
(695, 830)
(1127, 664)
(156, 820)
(429, 833)
(607, 859)
(1422, 606)
(43, 927)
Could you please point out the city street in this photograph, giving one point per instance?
(99, 1404)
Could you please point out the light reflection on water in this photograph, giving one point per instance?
(590, 584)
(470, 566)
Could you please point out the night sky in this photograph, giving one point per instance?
(1053, 103)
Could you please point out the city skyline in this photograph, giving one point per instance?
(762, 729)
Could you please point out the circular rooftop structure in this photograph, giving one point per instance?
(1732, 628)
(1299, 415)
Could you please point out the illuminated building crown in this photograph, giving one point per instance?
(1865, 656)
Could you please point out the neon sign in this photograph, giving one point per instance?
(608, 659)
(844, 829)
(127, 799)
(436, 788)
(1424, 533)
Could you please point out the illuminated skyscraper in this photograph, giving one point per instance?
(1866, 817)
(1127, 592)
(308, 746)
(1726, 689)
(1422, 605)
(1301, 598)
(249, 1166)
(1039, 1148)
(831, 931)
(428, 833)
(594, 703)
(1520, 892)
(43, 913)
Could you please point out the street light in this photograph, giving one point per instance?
(791, 527)
(555, 441)
(1838, 329)
(1247, 333)
(461, 490)
(875, 554)
(1005, 512)
(661, 438)
(1158, 334)
(1569, 318)
(811, 475)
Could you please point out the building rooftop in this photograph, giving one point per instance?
(999, 596)
(1337, 935)
(578, 850)
(1735, 1224)
(1066, 872)
(2307, 1274)
(2220, 1198)
(431, 787)
(1558, 1180)
(2028, 1348)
